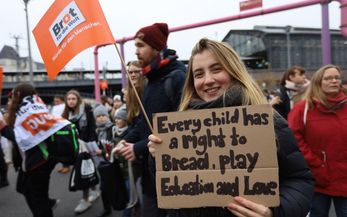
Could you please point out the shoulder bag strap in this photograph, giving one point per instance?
(305, 113)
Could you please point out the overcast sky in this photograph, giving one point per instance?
(127, 16)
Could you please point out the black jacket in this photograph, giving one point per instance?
(34, 158)
(296, 184)
(284, 106)
(87, 133)
(154, 100)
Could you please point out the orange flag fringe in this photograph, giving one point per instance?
(67, 28)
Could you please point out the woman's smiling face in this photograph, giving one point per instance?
(210, 79)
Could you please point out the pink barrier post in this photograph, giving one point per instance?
(97, 74)
(343, 17)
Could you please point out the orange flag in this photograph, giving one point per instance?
(67, 28)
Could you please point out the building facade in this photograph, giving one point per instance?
(278, 48)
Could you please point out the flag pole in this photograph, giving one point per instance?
(1, 83)
(133, 86)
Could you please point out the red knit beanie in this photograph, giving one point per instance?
(154, 35)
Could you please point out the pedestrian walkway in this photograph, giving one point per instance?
(13, 204)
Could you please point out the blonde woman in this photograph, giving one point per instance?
(216, 78)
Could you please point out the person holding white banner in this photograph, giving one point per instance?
(28, 125)
(217, 78)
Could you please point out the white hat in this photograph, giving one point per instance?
(117, 98)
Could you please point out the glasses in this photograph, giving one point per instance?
(135, 72)
(331, 78)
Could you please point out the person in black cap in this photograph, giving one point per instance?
(162, 93)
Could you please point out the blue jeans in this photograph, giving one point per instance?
(321, 204)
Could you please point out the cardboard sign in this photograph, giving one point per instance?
(67, 28)
(209, 156)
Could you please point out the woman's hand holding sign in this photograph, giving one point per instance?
(239, 207)
(153, 142)
(246, 208)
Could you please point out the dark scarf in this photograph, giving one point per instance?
(102, 130)
(232, 97)
(80, 117)
(163, 58)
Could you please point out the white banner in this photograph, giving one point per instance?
(34, 123)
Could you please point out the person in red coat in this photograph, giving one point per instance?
(319, 124)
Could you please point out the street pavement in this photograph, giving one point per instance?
(12, 204)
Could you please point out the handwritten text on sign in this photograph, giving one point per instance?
(209, 156)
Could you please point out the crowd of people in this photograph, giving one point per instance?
(310, 122)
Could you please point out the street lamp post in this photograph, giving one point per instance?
(289, 58)
(31, 75)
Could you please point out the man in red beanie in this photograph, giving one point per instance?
(162, 93)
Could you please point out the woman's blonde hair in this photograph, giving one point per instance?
(132, 102)
(315, 91)
(230, 62)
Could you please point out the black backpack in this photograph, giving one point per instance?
(83, 175)
(170, 91)
(62, 146)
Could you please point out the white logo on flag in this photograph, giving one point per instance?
(67, 20)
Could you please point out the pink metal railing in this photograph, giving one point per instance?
(325, 30)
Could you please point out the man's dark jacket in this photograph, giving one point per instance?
(155, 100)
